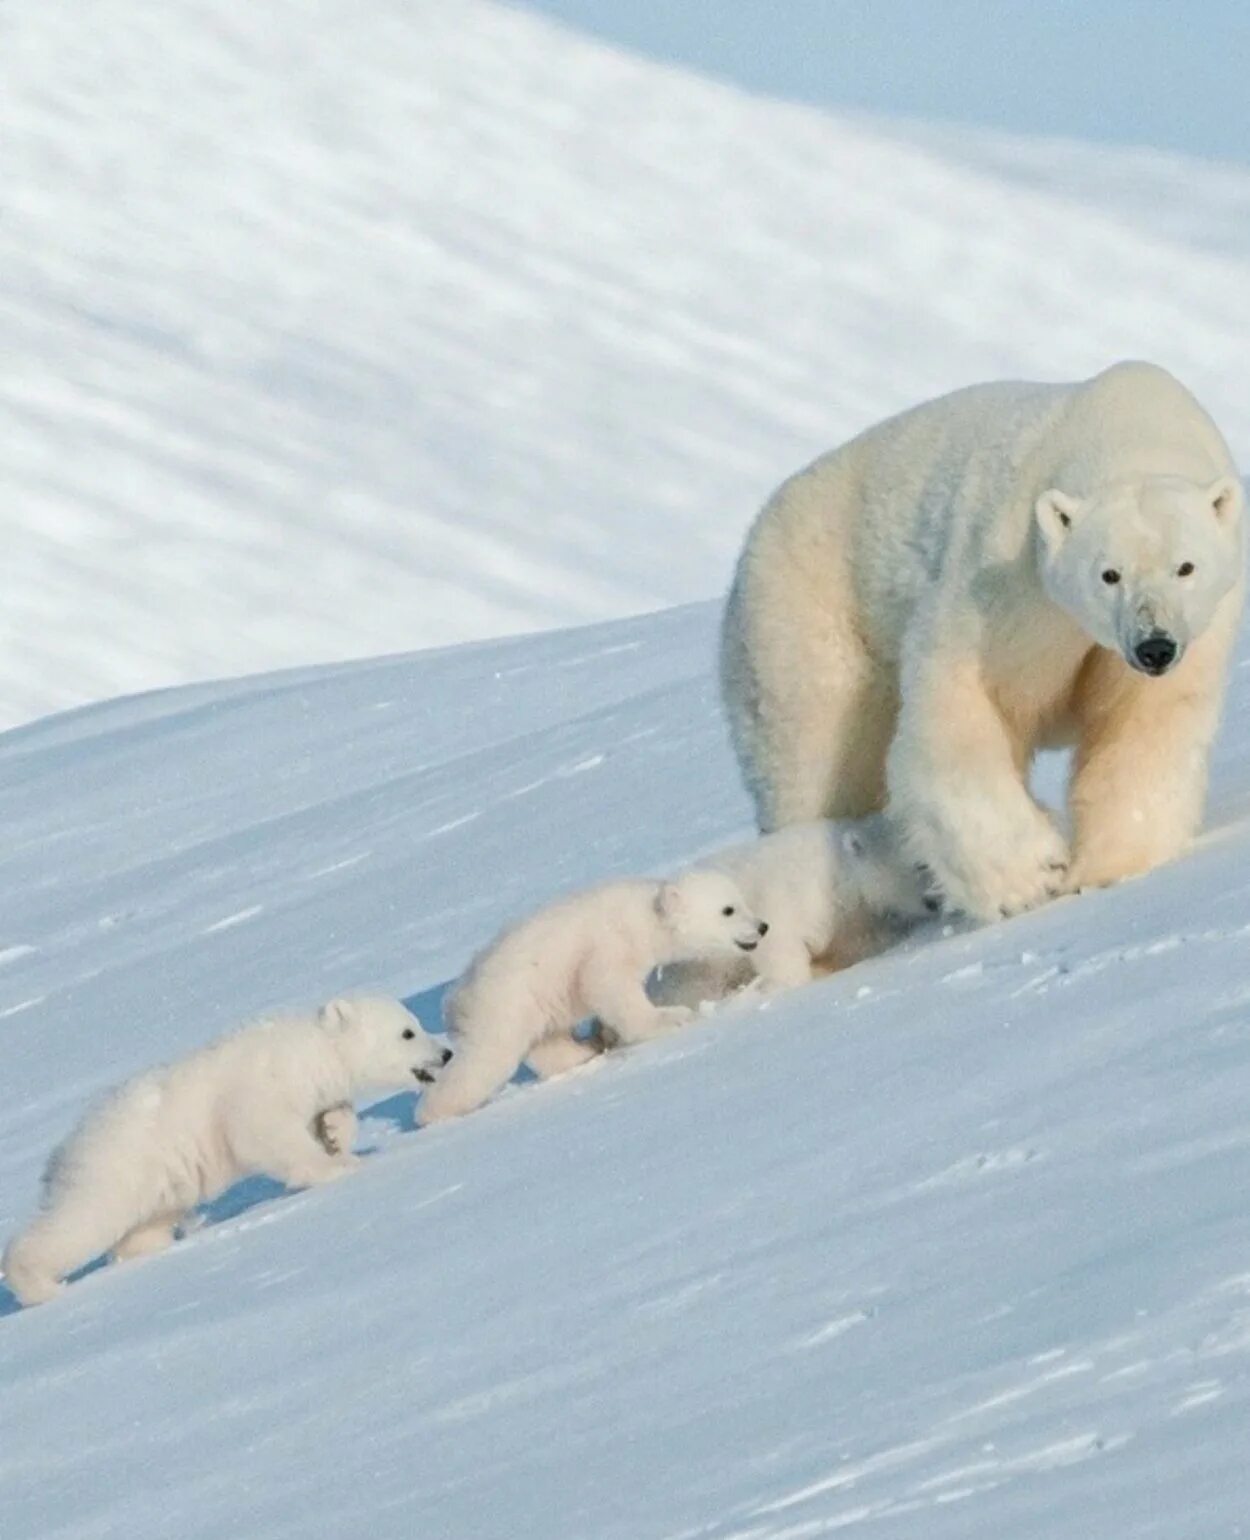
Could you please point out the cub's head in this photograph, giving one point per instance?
(383, 1043)
(888, 881)
(1142, 565)
(706, 915)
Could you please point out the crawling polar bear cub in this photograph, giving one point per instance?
(1007, 568)
(249, 1103)
(834, 891)
(584, 956)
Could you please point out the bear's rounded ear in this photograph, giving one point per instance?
(1056, 513)
(1226, 498)
(335, 1015)
(669, 902)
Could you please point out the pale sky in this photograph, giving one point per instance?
(1150, 72)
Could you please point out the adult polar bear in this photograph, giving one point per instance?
(1010, 567)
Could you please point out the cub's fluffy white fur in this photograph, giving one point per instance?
(265, 1099)
(585, 956)
(834, 891)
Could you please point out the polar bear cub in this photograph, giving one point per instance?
(266, 1099)
(835, 891)
(584, 956)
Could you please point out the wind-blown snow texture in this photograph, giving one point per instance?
(386, 325)
(949, 1247)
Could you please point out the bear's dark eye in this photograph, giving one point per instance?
(1185, 569)
(1110, 576)
(727, 910)
(408, 1034)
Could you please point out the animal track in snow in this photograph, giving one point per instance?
(231, 920)
(987, 1163)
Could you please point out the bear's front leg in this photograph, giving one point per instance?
(957, 785)
(296, 1157)
(624, 1012)
(1140, 773)
(335, 1128)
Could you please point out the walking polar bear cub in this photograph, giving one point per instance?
(1011, 567)
(265, 1099)
(584, 956)
(834, 892)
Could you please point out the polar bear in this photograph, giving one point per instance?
(835, 891)
(268, 1099)
(585, 956)
(1010, 567)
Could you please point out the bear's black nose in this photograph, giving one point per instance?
(1157, 653)
(446, 1055)
(763, 927)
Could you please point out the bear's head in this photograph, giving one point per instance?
(706, 915)
(1141, 565)
(878, 868)
(382, 1043)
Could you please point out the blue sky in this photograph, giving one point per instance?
(1151, 72)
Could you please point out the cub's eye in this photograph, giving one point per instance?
(728, 910)
(1110, 576)
(1185, 569)
(408, 1034)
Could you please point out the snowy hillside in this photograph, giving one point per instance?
(381, 325)
(951, 1247)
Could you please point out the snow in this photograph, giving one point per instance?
(375, 327)
(416, 323)
(952, 1245)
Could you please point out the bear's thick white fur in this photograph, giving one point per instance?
(249, 1103)
(918, 612)
(584, 956)
(834, 892)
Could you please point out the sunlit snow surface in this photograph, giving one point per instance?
(950, 1247)
(333, 331)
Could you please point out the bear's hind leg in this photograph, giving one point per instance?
(561, 1051)
(811, 715)
(485, 1060)
(147, 1239)
(69, 1234)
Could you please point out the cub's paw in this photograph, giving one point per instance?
(673, 1016)
(335, 1129)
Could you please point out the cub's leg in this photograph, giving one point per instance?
(625, 1013)
(561, 1051)
(335, 1129)
(73, 1230)
(491, 1041)
(146, 1239)
(781, 962)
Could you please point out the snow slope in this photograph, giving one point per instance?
(952, 1245)
(389, 324)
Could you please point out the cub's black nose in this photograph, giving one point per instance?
(1157, 653)
(763, 927)
(446, 1055)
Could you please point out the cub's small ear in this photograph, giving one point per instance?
(853, 843)
(335, 1015)
(669, 903)
(1226, 498)
(1056, 513)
